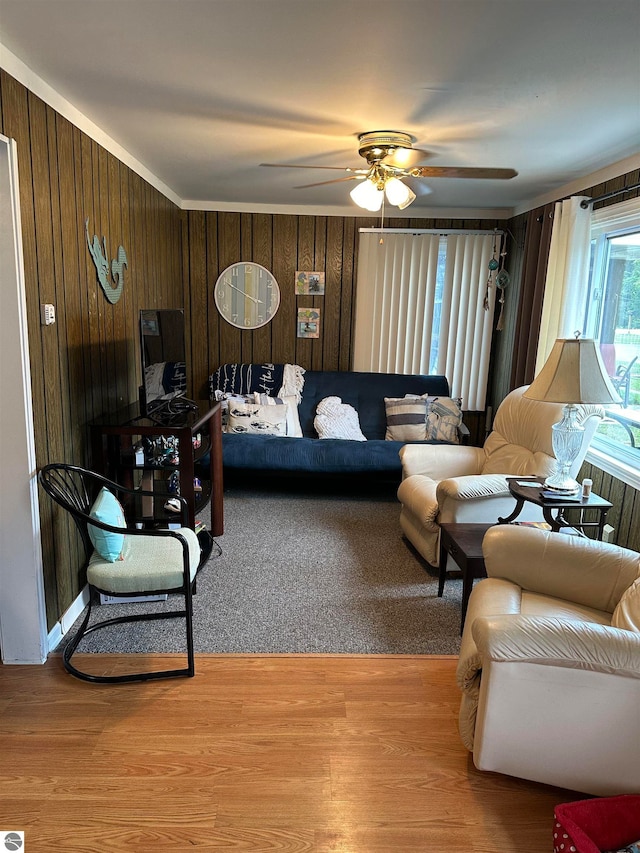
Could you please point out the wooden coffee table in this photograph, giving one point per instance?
(464, 543)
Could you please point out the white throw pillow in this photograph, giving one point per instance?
(223, 397)
(257, 420)
(294, 430)
(335, 419)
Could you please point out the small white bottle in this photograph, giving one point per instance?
(586, 488)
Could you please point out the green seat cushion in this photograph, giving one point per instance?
(106, 508)
(149, 563)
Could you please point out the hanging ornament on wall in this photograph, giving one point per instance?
(500, 277)
(493, 266)
(503, 280)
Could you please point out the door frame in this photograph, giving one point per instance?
(23, 624)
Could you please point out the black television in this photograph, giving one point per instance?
(164, 361)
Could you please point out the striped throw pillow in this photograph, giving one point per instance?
(406, 418)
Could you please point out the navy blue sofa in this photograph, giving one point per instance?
(311, 455)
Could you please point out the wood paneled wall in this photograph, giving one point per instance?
(284, 244)
(88, 362)
(624, 515)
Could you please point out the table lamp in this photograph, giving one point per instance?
(573, 374)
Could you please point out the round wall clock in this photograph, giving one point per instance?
(247, 295)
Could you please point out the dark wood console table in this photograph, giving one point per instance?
(113, 438)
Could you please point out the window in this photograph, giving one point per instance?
(423, 305)
(613, 318)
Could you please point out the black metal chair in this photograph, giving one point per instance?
(622, 381)
(170, 570)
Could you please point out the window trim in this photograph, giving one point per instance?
(614, 466)
(613, 221)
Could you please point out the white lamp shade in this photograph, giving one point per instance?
(410, 198)
(573, 373)
(397, 192)
(367, 195)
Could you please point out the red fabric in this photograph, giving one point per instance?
(600, 824)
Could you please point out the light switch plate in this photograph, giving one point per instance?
(47, 314)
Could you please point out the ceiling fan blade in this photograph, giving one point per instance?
(298, 166)
(334, 181)
(404, 158)
(462, 172)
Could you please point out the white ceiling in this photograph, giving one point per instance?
(200, 92)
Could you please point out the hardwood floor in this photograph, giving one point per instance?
(273, 753)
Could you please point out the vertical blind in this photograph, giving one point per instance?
(420, 308)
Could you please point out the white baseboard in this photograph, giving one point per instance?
(57, 633)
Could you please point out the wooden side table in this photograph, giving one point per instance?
(553, 509)
(464, 543)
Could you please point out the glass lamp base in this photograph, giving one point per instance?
(566, 439)
(562, 485)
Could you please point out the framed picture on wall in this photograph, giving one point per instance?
(309, 283)
(149, 320)
(308, 322)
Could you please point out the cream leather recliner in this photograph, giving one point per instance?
(458, 483)
(549, 664)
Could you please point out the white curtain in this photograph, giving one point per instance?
(396, 322)
(567, 275)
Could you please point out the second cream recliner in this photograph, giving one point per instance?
(462, 484)
(549, 664)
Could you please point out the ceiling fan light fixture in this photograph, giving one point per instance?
(390, 155)
(398, 193)
(410, 199)
(366, 194)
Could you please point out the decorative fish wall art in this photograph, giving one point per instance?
(106, 273)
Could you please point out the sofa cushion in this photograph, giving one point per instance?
(223, 397)
(335, 419)
(406, 418)
(293, 421)
(149, 563)
(254, 419)
(107, 509)
(444, 416)
(304, 456)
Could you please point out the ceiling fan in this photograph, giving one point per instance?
(390, 156)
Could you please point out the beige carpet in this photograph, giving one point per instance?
(307, 572)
